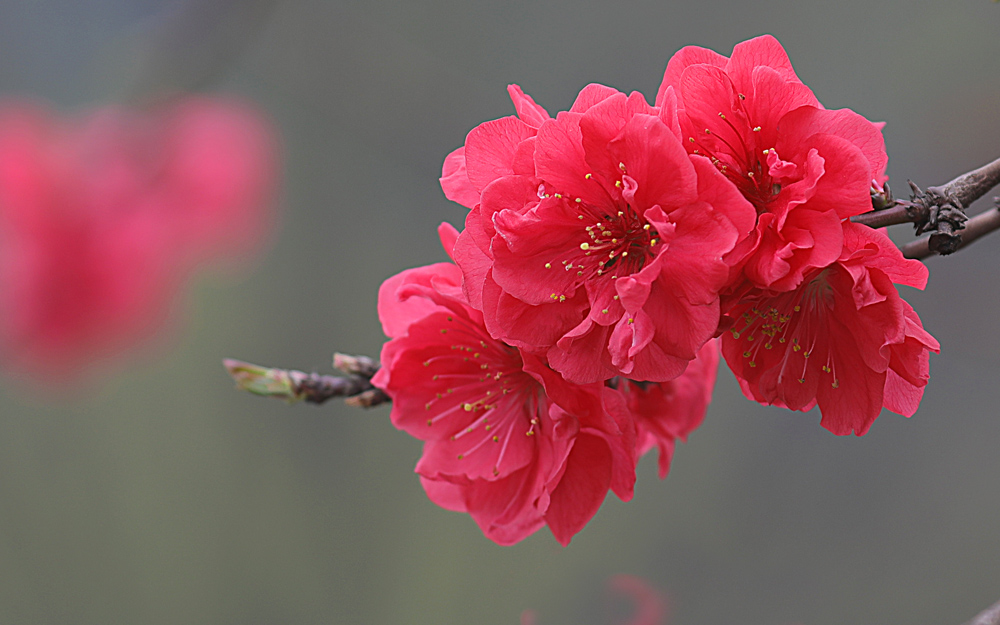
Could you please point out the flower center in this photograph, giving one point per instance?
(479, 385)
(734, 148)
(619, 243)
(796, 323)
(616, 241)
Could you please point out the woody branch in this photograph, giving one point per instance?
(940, 211)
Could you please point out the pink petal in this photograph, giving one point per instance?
(653, 155)
(846, 124)
(448, 235)
(561, 163)
(582, 489)
(455, 180)
(760, 51)
(681, 60)
(529, 112)
(581, 354)
(590, 95)
(490, 149)
(888, 258)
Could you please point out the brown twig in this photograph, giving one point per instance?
(973, 185)
(900, 213)
(355, 365)
(313, 388)
(939, 210)
(980, 225)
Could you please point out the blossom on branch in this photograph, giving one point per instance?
(507, 440)
(843, 340)
(610, 253)
(804, 168)
(603, 250)
(814, 314)
(596, 238)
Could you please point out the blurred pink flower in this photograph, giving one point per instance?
(650, 605)
(104, 215)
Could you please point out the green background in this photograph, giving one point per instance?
(155, 493)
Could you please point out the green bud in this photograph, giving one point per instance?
(262, 380)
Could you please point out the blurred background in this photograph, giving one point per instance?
(155, 493)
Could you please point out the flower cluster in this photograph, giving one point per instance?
(605, 251)
(102, 217)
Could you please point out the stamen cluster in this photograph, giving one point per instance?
(604, 251)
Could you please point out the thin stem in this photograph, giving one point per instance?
(293, 386)
(898, 214)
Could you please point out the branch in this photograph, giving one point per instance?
(899, 213)
(313, 388)
(980, 225)
(969, 187)
(989, 616)
(939, 210)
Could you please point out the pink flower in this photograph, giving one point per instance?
(804, 168)
(218, 176)
(667, 411)
(506, 438)
(843, 340)
(596, 239)
(102, 216)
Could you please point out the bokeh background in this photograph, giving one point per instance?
(155, 493)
